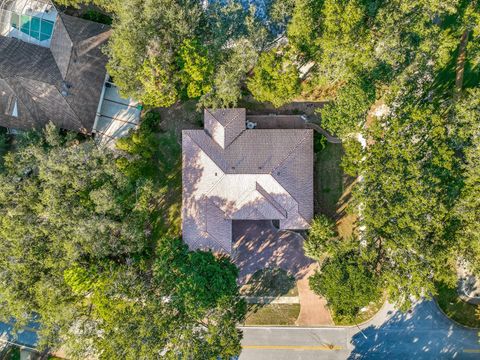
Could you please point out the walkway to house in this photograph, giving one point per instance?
(258, 245)
(313, 309)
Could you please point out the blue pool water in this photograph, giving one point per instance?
(37, 28)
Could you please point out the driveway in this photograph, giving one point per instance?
(258, 245)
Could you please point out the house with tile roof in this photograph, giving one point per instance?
(52, 68)
(231, 172)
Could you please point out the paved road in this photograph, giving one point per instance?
(424, 334)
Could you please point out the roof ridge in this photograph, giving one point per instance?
(60, 16)
(16, 95)
(270, 199)
(76, 115)
(71, 50)
(289, 154)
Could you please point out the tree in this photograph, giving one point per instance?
(410, 180)
(83, 252)
(347, 114)
(305, 26)
(275, 79)
(162, 51)
(320, 237)
(230, 77)
(468, 205)
(188, 308)
(348, 283)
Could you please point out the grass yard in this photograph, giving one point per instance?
(270, 282)
(328, 179)
(333, 189)
(363, 316)
(272, 314)
(170, 193)
(455, 308)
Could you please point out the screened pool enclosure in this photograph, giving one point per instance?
(32, 21)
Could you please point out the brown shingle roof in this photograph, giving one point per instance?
(261, 174)
(62, 84)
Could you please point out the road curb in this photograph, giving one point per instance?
(334, 327)
(452, 320)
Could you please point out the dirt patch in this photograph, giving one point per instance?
(180, 116)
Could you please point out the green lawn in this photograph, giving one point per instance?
(272, 314)
(270, 282)
(455, 308)
(328, 179)
(371, 310)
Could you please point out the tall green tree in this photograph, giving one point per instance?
(275, 79)
(162, 51)
(83, 253)
(348, 282)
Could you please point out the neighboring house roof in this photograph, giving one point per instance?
(231, 173)
(61, 84)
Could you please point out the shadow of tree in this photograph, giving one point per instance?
(271, 282)
(423, 333)
(258, 245)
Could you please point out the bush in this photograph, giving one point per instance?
(343, 116)
(143, 145)
(352, 157)
(319, 142)
(275, 79)
(348, 283)
(321, 233)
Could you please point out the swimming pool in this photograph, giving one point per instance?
(32, 26)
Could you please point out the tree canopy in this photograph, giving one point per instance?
(83, 252)
(406, 75)
(347, 282)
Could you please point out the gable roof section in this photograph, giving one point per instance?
(61, 46)
(224, 125)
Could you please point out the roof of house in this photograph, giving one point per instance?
(61, 84)
(231, 173)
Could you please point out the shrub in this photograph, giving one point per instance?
(275, 79)
(352, 157)
(321, 233)
(319, 142)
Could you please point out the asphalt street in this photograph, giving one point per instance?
(425, 333)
